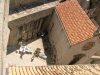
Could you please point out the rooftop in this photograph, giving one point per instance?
(55, 70)
(77, 24)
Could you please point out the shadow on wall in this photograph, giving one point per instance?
(23, 7)
(47, 50)
(14, 48)
(76, 58)
(85, 4)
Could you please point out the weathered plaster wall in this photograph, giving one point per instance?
(31, 29)
(92, 51)
(16, 3)
(13, 37)
(94, 9)
(64, 51)
(28, 18)
(31, 14)
(96, 4)
(25, 17)
(58, 38)
(98, 19)
(16, 33)
(77, 49)
(1, 32)
(4, 33)
(84, 3)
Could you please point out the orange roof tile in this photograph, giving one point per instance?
(55, 70)
(77, 24)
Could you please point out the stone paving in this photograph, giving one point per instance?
(13, 58)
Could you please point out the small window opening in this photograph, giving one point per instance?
(76, 58)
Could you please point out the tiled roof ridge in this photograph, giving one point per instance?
(55, 70)
(53, 65)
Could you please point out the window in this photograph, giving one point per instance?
(76, 58)
(88, 46)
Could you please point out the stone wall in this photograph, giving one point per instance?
(16, 3)
(31, 29)
(77, 50)
(28, 3)
(85, 4)
(96, 4)
(4, 33)
(58, 38)
(89, 53)
(24, 18)
(31, 17)
(61, 44)
(34, 13)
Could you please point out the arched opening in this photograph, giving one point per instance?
(76, 58)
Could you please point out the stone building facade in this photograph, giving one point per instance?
(63, 42)
(71, 34)
(29, 21)
(27, 18)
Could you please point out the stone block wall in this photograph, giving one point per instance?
(4, 34)
(85, 4)
(64, 51)
(31, 17)
(16, 3)
(96, 4)
(39, 13)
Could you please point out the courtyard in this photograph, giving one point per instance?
(13, 58)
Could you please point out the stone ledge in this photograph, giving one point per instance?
(32, 11)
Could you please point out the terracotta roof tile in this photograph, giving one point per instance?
(24, 70)
(55, 70)
(77, 24)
